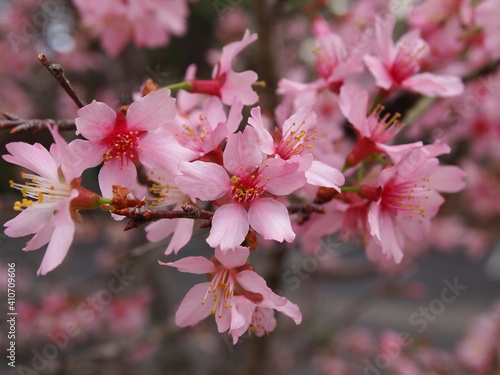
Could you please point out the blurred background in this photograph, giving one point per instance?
(110, 306)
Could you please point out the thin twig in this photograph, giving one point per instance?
(58, 73)
(143, 215)
(18, 125)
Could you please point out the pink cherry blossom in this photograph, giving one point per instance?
(229, 276)
(248, 184)
(147, 22)
(203, 131)
(409, 198)
(373, 130)
(296, 141)
(258, 313)
(226, 83)
(399, 64)
(332, 59)
(485, 16)
(46, 207)
(127, 139)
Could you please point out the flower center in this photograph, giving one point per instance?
(383, 129)
(39, 190)
(222, 289)
(406, 198)
(194, 133)
(123, 144)
(167, 194)
(248, 186)
(407, 61)
(296, 140)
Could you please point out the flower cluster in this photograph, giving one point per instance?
(292, 175)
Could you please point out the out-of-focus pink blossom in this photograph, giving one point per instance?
(226, 83)
(398, 65)
(148, 23)
(409, 198)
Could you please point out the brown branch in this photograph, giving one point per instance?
(18, 125)
(58, 73)
(143, 215)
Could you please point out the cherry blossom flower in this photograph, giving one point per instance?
(485, 12)
(373, 130)
(295, 143)
(248, 185)
(332, 60)
(127, 139)
(409, 198)
(399, 64)
(258, 313)
(203, 131)
(50, 199)
(226, 83)
(230, 276)
(147, 22)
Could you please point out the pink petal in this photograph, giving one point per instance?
(265, 139)
(246, 308)
(283, 177)
(377, 68)
(271, 220)
(115, 35)
(229, 319)
(398, 152)
(253, 282)
(197, 265)
(182, 235)
(62, 214)
(232, 258)
(218, 135)
(239, 85)
(35, 157)
(29, 221)
(160, 229)
(235, 116)
(192, 310)
(321, 174)
(86, 154)
(230, 51)
(66, 157)
(203, 180)
(112, 173)
(303, 117)
(181, 228)
(59, 244)
(429, 84)
(242, 152)
(382, 227)
(160, 151)
(214, 111)
(448, 179)
(229, 227)
(41, 238)
(291, 310)
(384, 28)
(96, 121)
(151, 111)
(354, 105)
